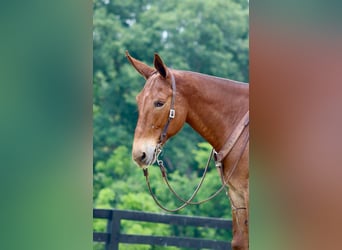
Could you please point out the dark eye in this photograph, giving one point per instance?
(158, 104)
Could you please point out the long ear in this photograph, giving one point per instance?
(160, 66)
(145, 70)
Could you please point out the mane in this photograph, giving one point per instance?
(221, 79)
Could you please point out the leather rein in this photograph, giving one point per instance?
(218, 156)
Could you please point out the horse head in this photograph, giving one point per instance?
(162, 111)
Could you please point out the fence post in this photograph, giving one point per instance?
(113, 227)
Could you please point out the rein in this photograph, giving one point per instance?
(218, 156)
(185, 202)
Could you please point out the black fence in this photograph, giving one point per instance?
(113, 237)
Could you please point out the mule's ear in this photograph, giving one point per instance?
(145, 70)
(160, 66)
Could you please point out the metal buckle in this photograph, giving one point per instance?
(218, 163)
(172, 113)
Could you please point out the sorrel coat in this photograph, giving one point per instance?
(213, 107)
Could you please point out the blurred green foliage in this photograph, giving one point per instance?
(210, 37)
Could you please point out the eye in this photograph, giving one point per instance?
(158, 104)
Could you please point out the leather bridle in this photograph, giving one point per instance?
(218, 156)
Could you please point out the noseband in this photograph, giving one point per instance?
(219, 156)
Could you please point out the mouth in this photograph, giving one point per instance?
(150, 159)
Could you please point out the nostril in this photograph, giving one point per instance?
(143, 156)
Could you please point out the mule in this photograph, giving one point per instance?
(213, 107)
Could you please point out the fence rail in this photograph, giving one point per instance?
(113, 237)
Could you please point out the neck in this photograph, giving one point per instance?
(216, 105)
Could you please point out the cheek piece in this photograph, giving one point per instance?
(172, 112)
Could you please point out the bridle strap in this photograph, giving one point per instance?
(232, 139)
(227, 148)
(172, 112)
